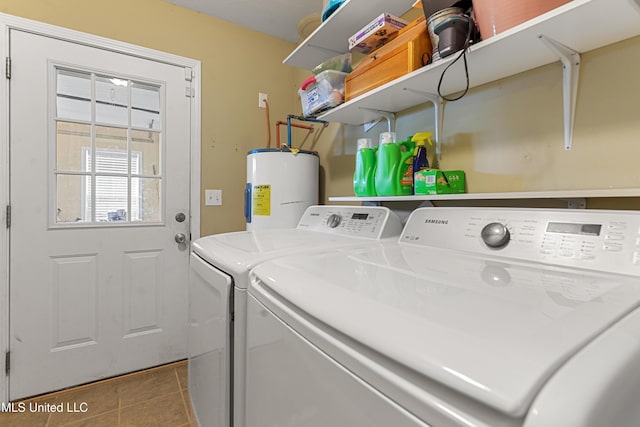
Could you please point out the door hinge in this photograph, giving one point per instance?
(189, 92)
(7, 362)
(188, 74)
(8, 215)
(7, 66)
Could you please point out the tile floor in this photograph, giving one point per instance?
(155, 397)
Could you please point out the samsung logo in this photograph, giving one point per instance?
(436, 221)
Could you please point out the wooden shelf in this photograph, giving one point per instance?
(581, 25)
(331, 38)
(564, 195)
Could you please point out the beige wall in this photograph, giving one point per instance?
(237, 63)
(506, 135)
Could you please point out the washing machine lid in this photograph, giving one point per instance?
(320, 228)
(493, 330)
(237, 253)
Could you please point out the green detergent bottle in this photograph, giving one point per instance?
(406, 169)
(391, 166)
(363, 177)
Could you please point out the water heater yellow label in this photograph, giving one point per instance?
(262, 200)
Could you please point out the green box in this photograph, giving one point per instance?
(435, 181)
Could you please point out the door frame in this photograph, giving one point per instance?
(9, 22)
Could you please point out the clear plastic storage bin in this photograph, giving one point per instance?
(321, 92)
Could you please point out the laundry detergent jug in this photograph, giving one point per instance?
(391, 166)
(363, 177)
(406, 174)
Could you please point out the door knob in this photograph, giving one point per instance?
(180, 238)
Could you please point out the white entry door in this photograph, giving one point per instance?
(99, 191)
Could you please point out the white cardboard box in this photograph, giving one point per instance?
(376, 33)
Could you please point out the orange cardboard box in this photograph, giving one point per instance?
(410, 50)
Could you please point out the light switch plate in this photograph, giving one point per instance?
(213, 197)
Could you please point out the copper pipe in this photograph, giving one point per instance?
(278, 123)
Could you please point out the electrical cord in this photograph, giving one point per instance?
(463, 55)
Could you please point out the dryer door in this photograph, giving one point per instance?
(291, 382)
(210, 326)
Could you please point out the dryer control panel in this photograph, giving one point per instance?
(594, 239)
(373, 222)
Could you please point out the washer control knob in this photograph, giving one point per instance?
(334, 220)
(495, 235)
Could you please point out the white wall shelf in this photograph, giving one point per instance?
(562, 195)
(579, 25)
(561, 34)
(331, 38)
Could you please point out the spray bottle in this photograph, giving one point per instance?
(420, 160)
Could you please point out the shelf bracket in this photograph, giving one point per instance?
(570, 76)
(438, 104)
(391, 117)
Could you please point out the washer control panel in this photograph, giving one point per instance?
(595, 239)
(373, 222)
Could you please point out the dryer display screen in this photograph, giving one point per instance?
(571, 228)
(361, 216)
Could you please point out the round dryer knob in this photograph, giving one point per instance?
(334, 220)
(495, 235)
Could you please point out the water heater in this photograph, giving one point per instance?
(281, 184)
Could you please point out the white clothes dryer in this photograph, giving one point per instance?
(219, 272)
(476, 317)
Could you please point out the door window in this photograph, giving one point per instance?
(108, 149)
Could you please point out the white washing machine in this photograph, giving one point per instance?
(476, 317)
(218, 282)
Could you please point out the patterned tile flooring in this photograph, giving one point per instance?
(156, 397)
